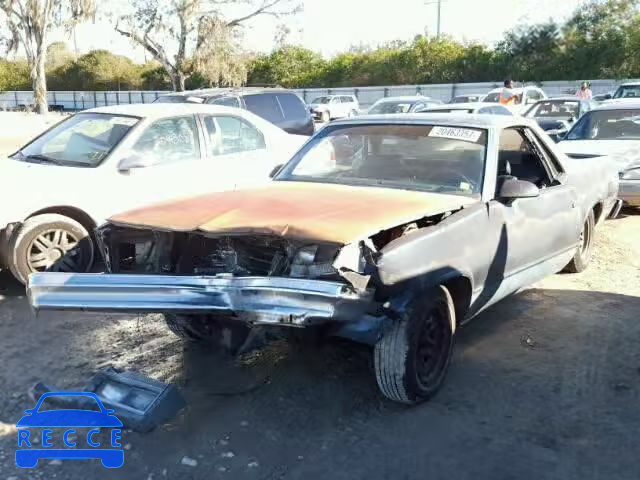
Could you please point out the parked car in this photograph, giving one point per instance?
(329, 107)
(611, 131)
(470, 98)
(284, 108)
(556, 115)
(98, 162)
(629, 90)
(601, 97)
(526, 96)
(395, 242)
(410, 104)
(473, 107)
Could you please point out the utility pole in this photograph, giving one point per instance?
(439, 15)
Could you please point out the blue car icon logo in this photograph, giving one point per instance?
(28, 454)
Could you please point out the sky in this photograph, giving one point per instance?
(332, 26)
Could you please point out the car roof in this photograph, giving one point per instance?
(471, 120)
(162, 110)
(563, 98)
(619, 105)
(463, 106)
(630, 84)
(405, 98)
(470, 95)
(214, 92)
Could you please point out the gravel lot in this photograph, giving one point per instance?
(545, 385)
(19, 127)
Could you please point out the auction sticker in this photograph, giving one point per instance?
(465, 134)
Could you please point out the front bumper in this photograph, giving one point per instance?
(629, 192)
(257, 300)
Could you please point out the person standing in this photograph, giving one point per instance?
(585, 92)
(508, 96)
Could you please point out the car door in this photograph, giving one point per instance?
(168, 157)
(541, 232)
(236, 152)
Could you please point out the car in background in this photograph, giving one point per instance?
(610, 130)
(408, 104)
(469, 98)
(330, 107)
(629, 90)
(526, 96)
(473, 107)
(601, 97)
(395, 243)
(68, 180)
(284, 108)
(556, 115)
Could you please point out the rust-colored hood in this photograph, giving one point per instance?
(324, 212)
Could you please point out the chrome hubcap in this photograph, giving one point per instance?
(53, 250)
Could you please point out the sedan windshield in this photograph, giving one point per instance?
(391, 107)
(627, 91)
(551, 109)
(83, 140)
(412, 157)
(492, 97)
(322, 100)
(607, 125)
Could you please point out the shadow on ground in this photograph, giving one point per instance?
(543, 385)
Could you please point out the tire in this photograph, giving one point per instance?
(401, 372)
(582, 257)
(325, 117)
(50, 242)
(225, 335)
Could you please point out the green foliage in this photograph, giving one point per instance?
(600, 40)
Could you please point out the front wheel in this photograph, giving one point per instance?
(582, 257)
(412, 358)
(50, 242)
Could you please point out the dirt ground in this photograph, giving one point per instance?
(545, 385)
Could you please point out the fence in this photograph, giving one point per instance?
(73, 101)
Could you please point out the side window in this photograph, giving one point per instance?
(335, 100)
(225, 102)
(519, 158)
(544, 150)
(228, 135)
(170, 140)
(418, 106)
(265, 105)
(292, 106)
(486, 110)
(502, 111)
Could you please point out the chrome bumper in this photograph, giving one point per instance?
(263, 300)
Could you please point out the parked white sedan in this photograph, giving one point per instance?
(102, 161)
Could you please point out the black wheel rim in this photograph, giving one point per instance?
(432, 348)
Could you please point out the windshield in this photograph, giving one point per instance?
(627, 91)
(492, 97)
(178, 99)
(391, 107)
(322, 100)
(563, 109)
(83, 140)
(412, 157)
(465, 99)
(607, 125)
(449, 110)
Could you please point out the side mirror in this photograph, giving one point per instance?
(134, 161)
(512, 188)
(275, 171)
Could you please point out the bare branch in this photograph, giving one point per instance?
(262, 10)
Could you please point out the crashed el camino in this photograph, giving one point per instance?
(390, 231)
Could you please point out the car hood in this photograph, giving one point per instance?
(622, 152)
(322, 212)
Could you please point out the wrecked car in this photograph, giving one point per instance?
(392, 231)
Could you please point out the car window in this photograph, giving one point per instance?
(170, 140)
(227, 135)
(418, 106)
(627, 91)
(265, 105)
(519, 158)
(555, 108)
(501, 111)
(83, 140)
(225, 101)
(292, 106)
(486, 110)
(415, 157)
(619, 124)
(492, 97)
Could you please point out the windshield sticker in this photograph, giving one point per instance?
(465, 134)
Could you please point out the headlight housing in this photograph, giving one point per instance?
(631, 174)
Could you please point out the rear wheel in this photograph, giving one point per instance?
(582, 257)
(412, 358)
(227, 335)
(50, 242)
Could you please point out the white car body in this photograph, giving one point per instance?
(338, 106)
(625, 154)
(529, 95)
(472, 107)
(96, 193)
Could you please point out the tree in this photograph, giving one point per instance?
(197, 36)
(58, 54)
(29, 23)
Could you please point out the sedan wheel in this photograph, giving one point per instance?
(582, 256)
